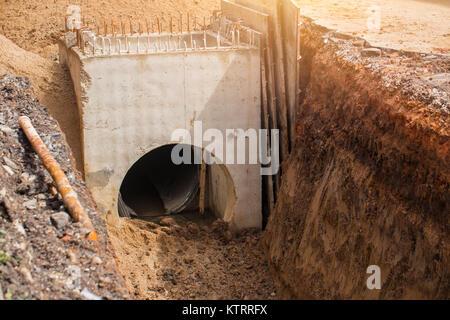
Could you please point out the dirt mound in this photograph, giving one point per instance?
(43, 254)
(191, 262)
(368, 181)
(52, 85)
(37, 25)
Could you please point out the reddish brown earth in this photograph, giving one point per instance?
(185, 260)
(368, 180)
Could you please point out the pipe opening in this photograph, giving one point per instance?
(155, 186)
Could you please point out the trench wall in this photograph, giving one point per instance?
(366, 184)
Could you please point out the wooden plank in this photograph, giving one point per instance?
(289, 18)
(272, 105)
(265, 111)
(281, 85)
(202, 186)
(298, 71)
(254, 19)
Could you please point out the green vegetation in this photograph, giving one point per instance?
(4, 257)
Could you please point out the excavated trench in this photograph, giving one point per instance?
(367, 183)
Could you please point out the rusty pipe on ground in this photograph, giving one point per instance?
(69, 196)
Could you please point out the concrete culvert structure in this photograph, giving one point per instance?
(132, 101)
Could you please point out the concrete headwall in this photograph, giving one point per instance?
(131, 105)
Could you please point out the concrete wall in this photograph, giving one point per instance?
(131, 104)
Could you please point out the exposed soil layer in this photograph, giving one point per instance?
(187, 261)
(43, 256)
(368, 180)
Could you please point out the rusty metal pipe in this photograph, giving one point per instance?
(70, 198)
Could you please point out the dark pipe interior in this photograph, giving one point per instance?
(155, 186)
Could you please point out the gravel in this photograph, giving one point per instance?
(43, 255)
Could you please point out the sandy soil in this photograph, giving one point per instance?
(191, 262)
(411, 25)
(36, 25)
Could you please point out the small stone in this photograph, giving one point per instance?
(96, 260)
(26, 177)
(11, 163)
(84, 231)
(3, 193)
(89, 295)
(167, 222)
(60, 219)
(193, 228)
(72, 257)
(228, 236)
(27, 274)
(6, 130)
(105, 279)
(8, 170)
(19, 227)
(371, 52)
(30, 204)
(359, 43)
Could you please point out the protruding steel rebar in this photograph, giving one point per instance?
(204, 39)
(188, 23)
